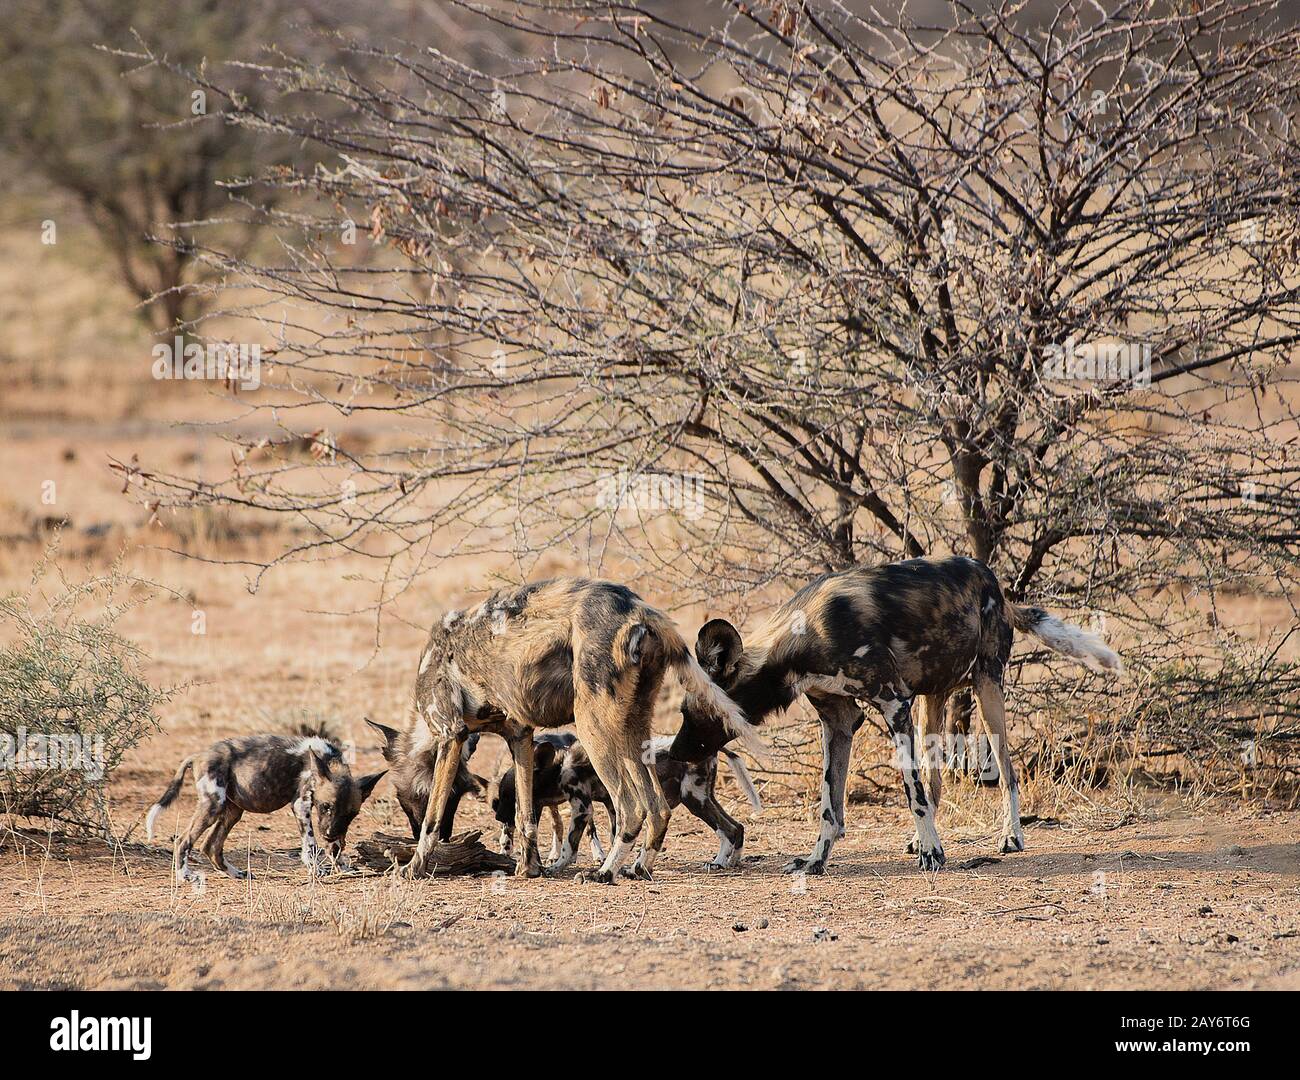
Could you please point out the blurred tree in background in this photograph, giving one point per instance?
(140, 150)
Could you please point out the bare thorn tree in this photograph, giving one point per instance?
(815, 285)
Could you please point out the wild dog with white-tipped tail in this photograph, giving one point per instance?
(259, 774)
(884, 636)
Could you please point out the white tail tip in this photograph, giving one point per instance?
(151, 820)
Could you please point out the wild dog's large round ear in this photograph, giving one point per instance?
(718, 647)
(321, 765)
(391, 736)
(367, 783)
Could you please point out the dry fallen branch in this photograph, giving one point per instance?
(462, 854)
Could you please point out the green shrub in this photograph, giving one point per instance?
(72, 699)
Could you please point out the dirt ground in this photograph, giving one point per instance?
(1159, 894)
(1172, 902)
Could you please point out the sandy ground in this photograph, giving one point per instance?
(1172, 902)
(1163, 895)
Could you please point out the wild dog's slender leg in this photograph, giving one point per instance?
(898, 718)
(215, 848)
(309, 852)
(527, 861)
(212, 799)
(699, 799)
(606, 751)
(840, 717)
(579, 819)
(448, 822)
(993, 713)
(645, 780)
(932, 751)
(557, 829)
(444, 778)
(597, 850)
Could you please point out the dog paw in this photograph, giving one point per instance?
(911, 846)
(636, 872)
(1011, 842)
(805, 866)
(594, 877)
(932, 860)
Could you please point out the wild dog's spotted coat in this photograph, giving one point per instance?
(883, 636)
(259, 774)
(564, 774)
(542, 656)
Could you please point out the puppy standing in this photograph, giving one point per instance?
(564, 774)
(259, 774)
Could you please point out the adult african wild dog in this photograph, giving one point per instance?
(259, 774)
(564, 774)
(883, 635)
(568, 650)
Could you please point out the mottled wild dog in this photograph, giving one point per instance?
(550, 750)
(258, 774)
(544, 655)
(564, 775)
(884, 636)
(412, 777)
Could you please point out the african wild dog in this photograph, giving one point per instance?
(883, 635)
(550, 750)
(544, 655)
(412, 778)
(258, 774)
(568, 777)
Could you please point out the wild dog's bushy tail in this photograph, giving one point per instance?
(168, 796)
(705, 695)
(738, 770)
(1065, 638)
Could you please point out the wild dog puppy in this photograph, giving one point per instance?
(571, 779)
(259, 774)
(412, 778)
(884, 636)
(541, 656)
(550, 749)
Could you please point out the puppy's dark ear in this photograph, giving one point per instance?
(321, 765)
(717, 648)
(390, 737)
(367, 783)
